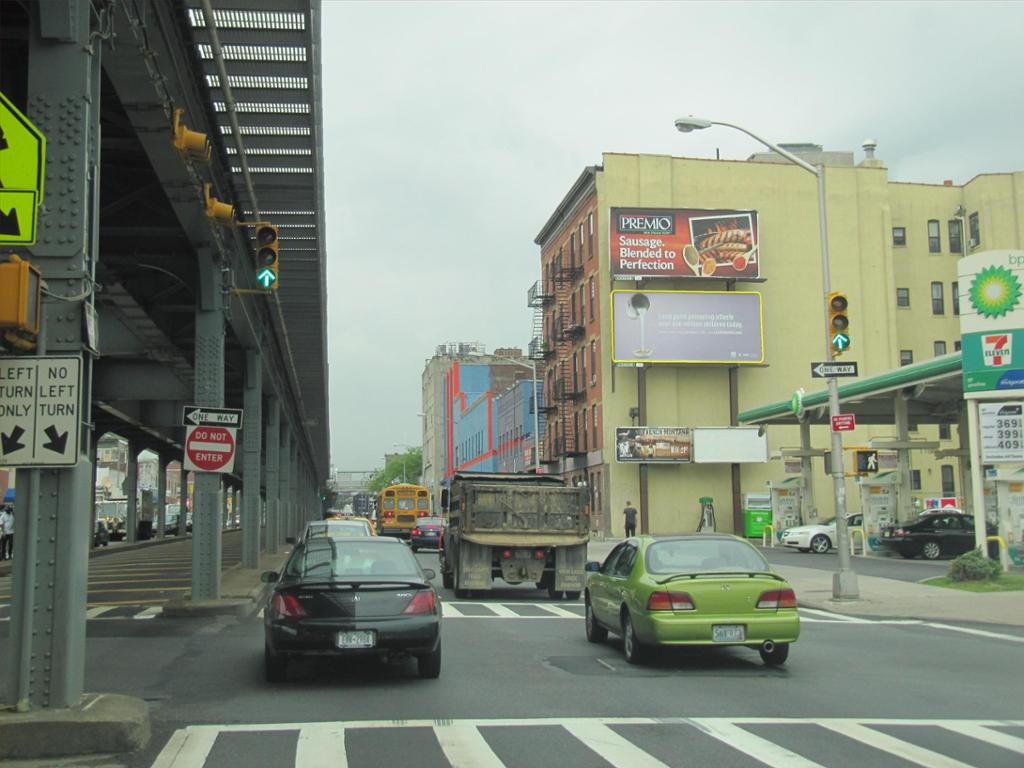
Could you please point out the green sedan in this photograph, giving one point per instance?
(693, 589)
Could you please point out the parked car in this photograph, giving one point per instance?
(352, 597)
(427, 533)
(100, 536)
(932, 536)
(819, 538)
(696, 589)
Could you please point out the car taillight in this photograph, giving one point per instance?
(777, 598)
(423, 514)
(670, 601)
(416, 531)
(539, 554)
(422, 602)
(507, 553)
(899, 532)
(389, 514)
(288, 605)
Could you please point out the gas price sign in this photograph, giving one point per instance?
(1002, 432)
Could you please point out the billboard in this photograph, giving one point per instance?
(991, 296)
(684, 242)
(653, 445)
(687, 327)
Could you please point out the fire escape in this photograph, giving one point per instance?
(540, 350)
(567, 328)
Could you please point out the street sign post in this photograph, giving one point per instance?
(39, 411)
(844, 422)
(201, 416)
(22, 160)
(209, 449)
(828, 370)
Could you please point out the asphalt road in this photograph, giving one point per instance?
(521, 686)
(884, 567)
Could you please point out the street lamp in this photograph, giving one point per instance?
(536, 410)
(844, 581)
(405, 457)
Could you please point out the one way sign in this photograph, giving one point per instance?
(867, 462)
(830, 370)
(200, 416)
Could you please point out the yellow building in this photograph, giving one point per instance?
(894, 249)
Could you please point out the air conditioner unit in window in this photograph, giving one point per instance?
(972, 243)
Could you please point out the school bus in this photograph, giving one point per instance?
(399, 507)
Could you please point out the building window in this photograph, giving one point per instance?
(593, 410)
(948, 486)
(590, 232)
(906, 356)
(956, 345)
(583, 366)
(584, 431)
(934, 238)
(583, 306)
(899, 235)
(915, 479)
(954, 292)
(572, 250)
(581, 241)
(974, 227)
(902, 297)
(939, 348)
(938, 300)
(592, 297)
(956, 245)
(945, 433)
(593, 362)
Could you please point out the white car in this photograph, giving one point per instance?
(818, 538)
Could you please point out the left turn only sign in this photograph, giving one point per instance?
(40, 404)
(209, 449)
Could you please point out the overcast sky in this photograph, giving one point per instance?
(452, 130)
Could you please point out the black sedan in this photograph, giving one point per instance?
(426, 533)
(352, 597)
(931, 536)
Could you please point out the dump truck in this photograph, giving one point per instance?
(518, 528)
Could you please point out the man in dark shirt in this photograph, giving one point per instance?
(629, 513)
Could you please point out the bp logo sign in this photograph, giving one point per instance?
(995, 292)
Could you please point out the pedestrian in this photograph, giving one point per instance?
(7, 534)
(629, 513)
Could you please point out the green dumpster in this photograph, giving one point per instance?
(757, 513)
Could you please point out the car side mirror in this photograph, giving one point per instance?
(430, 573)
(290, 540)
(269, 577)
(592, 567)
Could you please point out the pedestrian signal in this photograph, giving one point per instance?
(867, 462)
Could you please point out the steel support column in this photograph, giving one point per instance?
(161, 496)
(183, 501)
(252, 438)
(287, 484)
(207, 504)
(45, 662)
(273, 467)
(904, 499)
(131, 493)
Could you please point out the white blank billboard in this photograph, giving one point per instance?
(729, 445)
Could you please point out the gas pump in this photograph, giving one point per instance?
(1009, 484)
(878, 504)
(785, 503)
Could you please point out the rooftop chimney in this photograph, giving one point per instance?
(870, 161)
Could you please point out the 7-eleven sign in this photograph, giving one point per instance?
(997, 350)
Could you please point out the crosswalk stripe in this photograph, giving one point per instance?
(92, 613)
(894, 746)
(321, 748)
(987, 734)
(503, 612)
(558, 611)
(189, 751)
(466, 747)
(149, 613)
(450, 611)
(740, 739)
(611, 746)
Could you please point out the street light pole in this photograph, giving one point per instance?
(844, 581)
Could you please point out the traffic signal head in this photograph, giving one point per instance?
(192, 143)
(838, 323)
(267, 256)
(220, 212)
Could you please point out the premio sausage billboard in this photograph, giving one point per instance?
(684, 242)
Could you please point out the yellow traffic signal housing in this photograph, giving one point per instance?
(267, 256)
(838, 322)
(192, 143)
(220, 212)
(21, 289)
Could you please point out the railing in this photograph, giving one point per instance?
(537, 297)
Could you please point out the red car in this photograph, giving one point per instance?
(427, 533)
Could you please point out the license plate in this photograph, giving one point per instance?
(363, 638)
(728, 633)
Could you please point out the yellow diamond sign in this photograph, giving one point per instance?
(22, 161)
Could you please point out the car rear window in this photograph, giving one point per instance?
(699, 555)
(431, 521)
(345, 558)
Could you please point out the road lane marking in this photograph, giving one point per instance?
(149, 613)
(465, 747)
(502, 612)
(321, 748)
(92, 613)
(189, 750)
(987, 734)
(558, 611)
(978, 632)
(835, 616)
(904, 750)
(601, 739)
(450, 611)
(742, 740)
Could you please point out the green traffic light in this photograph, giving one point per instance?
(266, 277)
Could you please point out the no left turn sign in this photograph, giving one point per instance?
(209, 449)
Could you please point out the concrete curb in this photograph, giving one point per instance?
(187, 608)
(104, 723)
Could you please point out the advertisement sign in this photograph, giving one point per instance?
(655, 445)
(684, 242)
(1002, 432)
(992, 321)
(687, 327)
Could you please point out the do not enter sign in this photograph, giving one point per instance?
(209, 449)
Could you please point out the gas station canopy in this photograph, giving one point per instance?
(933, 390)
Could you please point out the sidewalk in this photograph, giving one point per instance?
(887, 598)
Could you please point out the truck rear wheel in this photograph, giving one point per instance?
(554, 594)
(447, 580)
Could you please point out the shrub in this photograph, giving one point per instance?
(974, 566)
